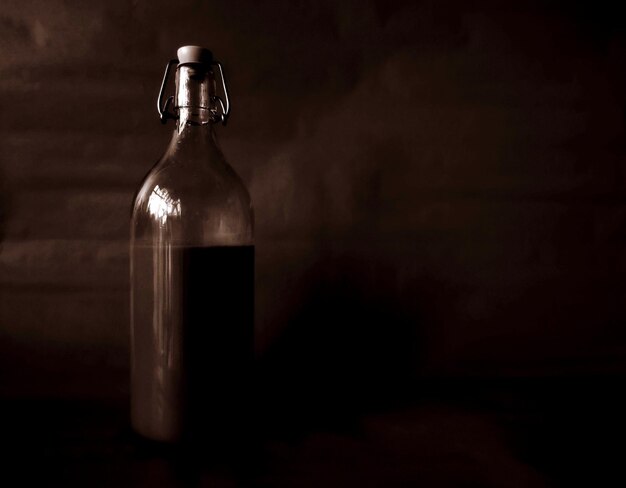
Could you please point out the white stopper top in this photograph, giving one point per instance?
(194, 55)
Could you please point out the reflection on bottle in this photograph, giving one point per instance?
(161, 205)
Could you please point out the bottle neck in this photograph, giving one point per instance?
(195, 90)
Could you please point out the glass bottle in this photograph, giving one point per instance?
(191, 271)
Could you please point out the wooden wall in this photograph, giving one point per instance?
(439, 189)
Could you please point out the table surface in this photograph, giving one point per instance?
(524, 432)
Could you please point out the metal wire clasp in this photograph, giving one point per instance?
(164, 113)
(224, 104)
(222, 107)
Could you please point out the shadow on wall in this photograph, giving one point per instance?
(353, 346)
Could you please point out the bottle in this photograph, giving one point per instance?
(191, 271)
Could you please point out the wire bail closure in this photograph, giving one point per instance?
(218, 115)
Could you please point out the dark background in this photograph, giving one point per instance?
(440, 199)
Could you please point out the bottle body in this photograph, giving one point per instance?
(192, 289)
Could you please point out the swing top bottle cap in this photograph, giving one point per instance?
(194, 55)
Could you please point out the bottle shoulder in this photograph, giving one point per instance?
(195, 201)
(194, 182)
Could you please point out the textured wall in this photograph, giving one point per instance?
(438, 188)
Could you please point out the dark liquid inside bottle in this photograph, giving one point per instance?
(193, 339)
(218, 340)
